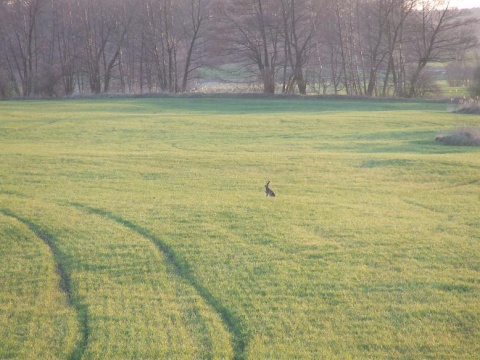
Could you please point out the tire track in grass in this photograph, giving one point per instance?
(182, 268)
(65, 283)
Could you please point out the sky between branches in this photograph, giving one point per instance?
(464, 4)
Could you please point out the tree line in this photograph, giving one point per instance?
(356, 47)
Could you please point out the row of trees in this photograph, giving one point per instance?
(359, 47)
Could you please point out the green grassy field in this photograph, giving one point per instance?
(139, 229)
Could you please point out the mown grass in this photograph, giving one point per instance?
(369, 250)
(36, 320)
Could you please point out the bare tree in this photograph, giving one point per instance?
(437, 33)
(361, 47)
(161, 44)
(299, 23)
(21, 42)
(401, 10)
(105, 27)
(195, 15)
(374, 18)
(66, 35)
(347, 35)
(8, 82)
(253, 28)
(328, 47)
(154, 44)
(170, 45)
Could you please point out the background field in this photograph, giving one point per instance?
(138, 228)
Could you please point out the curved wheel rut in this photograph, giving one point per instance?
(64, 284)
(183, 270)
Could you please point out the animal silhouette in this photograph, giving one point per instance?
(269, 191)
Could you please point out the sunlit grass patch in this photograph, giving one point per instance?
(129, 294)
(368, 250)
(36, 319)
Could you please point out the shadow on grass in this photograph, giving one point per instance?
(244, 104)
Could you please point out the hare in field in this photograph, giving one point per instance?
(269, 191)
